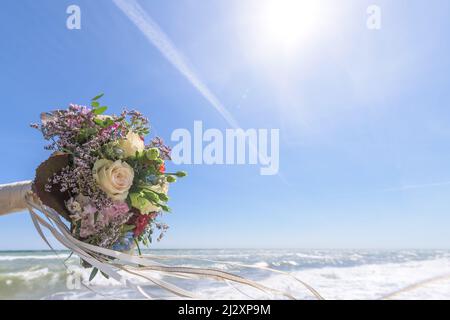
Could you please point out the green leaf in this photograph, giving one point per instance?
(152, 153)
(171, 179)
(104, 274)
(138, 201)
(97, 97)
(151, 196)
(181, 174)
(104, 123)
(108, 122)
(137, 245)
(100, 110)
(93, 274)
(165, 208)
(127, 227)
(85, 134)
(70, 256)
(163, 197)
(95, 104)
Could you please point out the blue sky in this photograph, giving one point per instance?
(363, 114)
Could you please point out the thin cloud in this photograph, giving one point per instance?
(161, 41)
(151, 30)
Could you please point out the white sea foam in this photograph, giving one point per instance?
(28, 275)
(261, 264)
(285, 263)
(33, 257)
(359, 282)
(334, 274)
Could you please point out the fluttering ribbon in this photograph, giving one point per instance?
(110, 262)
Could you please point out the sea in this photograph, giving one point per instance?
(333, 274)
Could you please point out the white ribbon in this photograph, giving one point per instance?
(110, 261)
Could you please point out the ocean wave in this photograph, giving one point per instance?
(358, 282)
(27, 275)
(33, 257)
(285, 263)
(339, 275)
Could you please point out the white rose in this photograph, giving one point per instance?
(131, 144)
(164, 188)
(114, 178)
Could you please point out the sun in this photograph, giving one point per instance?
(287, 24)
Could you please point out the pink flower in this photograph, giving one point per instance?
(87, 227)
(116, 210)
(89, 209)
(141, 223)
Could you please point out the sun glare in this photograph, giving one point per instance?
(287, 24)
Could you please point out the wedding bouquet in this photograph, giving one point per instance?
(103, 178)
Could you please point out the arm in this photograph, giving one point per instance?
(12, 197)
